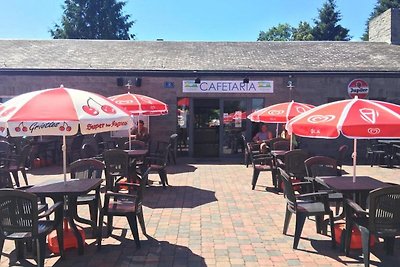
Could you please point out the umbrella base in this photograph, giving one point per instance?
(69, 238)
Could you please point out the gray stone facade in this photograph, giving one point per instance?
(386, 27)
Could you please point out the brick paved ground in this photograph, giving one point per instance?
(211, 217)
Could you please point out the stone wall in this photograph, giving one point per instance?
(386, 27)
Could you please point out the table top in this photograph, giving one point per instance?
(278, 152)
(344, 184)
(137, 152)
(389, 141)
(71, 187)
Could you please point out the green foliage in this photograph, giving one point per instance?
(281, 32)
(303, 32)
(93, 19)
(326, 28)
(380, 7)
(326, 25)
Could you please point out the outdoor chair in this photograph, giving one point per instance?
(117, 168)
(5, 179)
(305, 205)
(18, 164)
(271, 142)
(261, 162)
(250, 147)
(376, 153)
(128, 205)
(173, 141)
(324, 166)
(20, 221)
(5, 153)
(293, 164)
(89, 151)
(75, 148)
(88, 169)
(6, 182)
(341, 155)
(135, 144)
(158, 163)
(281, 145)
(382, 219)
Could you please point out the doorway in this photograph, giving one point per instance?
(206, 127)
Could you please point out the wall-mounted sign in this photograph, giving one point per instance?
(168, 84)
(358, 87)
(253, 87)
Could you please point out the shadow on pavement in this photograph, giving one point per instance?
(177, 197)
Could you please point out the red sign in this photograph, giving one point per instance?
(358, 87)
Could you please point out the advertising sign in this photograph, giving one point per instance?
(252, 87)
(358, 87)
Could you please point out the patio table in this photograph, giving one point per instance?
(345, 185)
(71, 190)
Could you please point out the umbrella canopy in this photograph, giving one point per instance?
(185, 101)
(354, 118)
(140, 104)
(279, 113)
(61, 112)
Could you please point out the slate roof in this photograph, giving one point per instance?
(96, 55)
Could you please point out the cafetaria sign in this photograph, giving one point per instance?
(253, 87)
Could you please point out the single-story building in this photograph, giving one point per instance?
(211, 86)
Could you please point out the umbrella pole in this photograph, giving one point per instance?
(129, 133)
(354, 156)
(291, 142)
(277, 130)
(64, 150)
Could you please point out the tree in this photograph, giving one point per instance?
(93, 19)
(326, 28)
(380, 7)
(326, 25)
(303, 32)
(281, 32)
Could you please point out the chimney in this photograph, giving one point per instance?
(386, 27)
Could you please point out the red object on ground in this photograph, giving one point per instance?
(69, 238)
(355, 242)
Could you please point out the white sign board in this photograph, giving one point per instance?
(252, 87)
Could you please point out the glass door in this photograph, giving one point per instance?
(234, 125)
(206, 127)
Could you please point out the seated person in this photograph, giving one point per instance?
(141, 132)
(263, 135)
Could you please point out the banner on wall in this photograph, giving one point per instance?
(252, 87)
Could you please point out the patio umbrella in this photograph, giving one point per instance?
(185, 101)
(354, 118)
(279, 113)
(61, 112)
(137, 104)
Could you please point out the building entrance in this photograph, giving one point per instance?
(206, 127)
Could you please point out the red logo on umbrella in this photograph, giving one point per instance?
(369, 115)
(94, 112)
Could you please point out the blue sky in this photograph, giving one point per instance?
(187, 20)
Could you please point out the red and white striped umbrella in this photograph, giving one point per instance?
(354, 118)
(279, 113)
(140, 104)
(61, 112)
